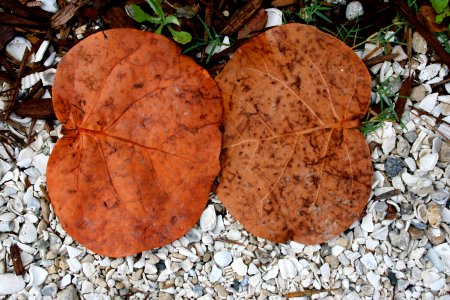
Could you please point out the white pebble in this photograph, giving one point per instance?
(401, 53)
(429, 102)
(354, 10)
(374, 280)
(234, 235)
(16, 48)
(367, 223)
(88, 269)
(74, 265)
(11, 284)
(419, 44)
(239, 267)
(49, 5)
(428, 162)
(287, 269)
(369, 261)
(325, 272)
(429, 72)
(215, 274)
(41, 51)
(208, 219)
(73, 252)
(274, 17)
(223, 258)
(28, 233)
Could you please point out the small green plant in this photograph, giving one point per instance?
(349, 35)
(442, 9)
(372, 124)
(161, 19)
(214, 40)
(413, 5)
(387, 107)
(309, 12)
(386, 34)
(444, 39)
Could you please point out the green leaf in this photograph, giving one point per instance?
(440, 18)
(156, 6)
(171, 20)
(181, 37)
(160, 28)
(321, 15)
(141, 16)
(439, 5)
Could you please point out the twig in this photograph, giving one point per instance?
(371, 52)
(403, 95)
(379, 59)
(241, 17)
(7, 152)
(440, 83)
(15, 92)
(30, 131)
(427, 35)
(387, 195)
(307, 293)
(216, 13)
(419, 112)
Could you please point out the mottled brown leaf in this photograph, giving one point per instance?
(142, 147)
(295, 165)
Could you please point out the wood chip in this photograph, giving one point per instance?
(241, 17)
(16, 259)
(64, 15)
(278, 3)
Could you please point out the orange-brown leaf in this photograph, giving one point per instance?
(142, 147)
(295, 165)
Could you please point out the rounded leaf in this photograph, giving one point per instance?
(142, 142)
(294, 164)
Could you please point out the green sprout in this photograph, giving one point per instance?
(308, 13)
(442, 9)
(387, 114)
(214, 41)
(161, 19)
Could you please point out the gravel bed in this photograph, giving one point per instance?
(400, 245)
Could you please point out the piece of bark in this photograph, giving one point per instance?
(278, 3)
(6, 34)
(15, 91)
(403, 95)
(379, 59)
(36, 108)
(241, 17)
(387, 195)
(16, 259)
(64, 15)
(12, 20)
(256, 23)
(20, 10)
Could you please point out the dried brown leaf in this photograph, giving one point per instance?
(141, 151)
(295, 165)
